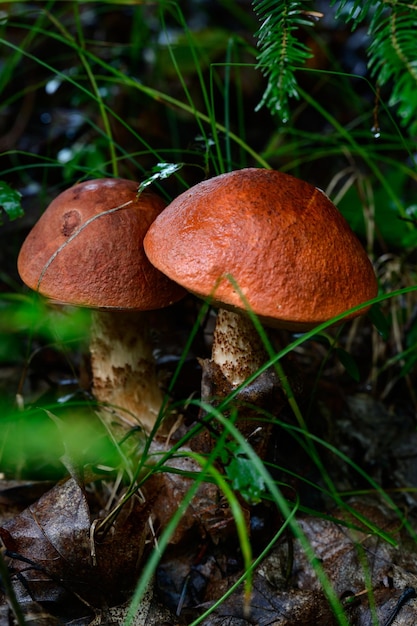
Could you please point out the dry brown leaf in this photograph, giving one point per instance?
(360, 565)
(53, 559)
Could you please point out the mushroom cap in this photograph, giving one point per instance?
(87, 249)
(292, 254)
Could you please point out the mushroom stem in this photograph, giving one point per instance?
(237, 353)
(123, 366)
(237, 348)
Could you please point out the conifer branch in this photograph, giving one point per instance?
(392, 52)
(281, 50)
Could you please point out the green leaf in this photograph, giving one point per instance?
(159, 172)
(245, 478)
(10, 201)
(379, 320)
(20, 314)
(348, 363)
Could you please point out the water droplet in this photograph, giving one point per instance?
(376, 132)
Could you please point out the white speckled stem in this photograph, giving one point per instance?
(237, 347)
(123, 366)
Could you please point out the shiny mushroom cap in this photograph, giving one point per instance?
(87, 249)
(292, 254)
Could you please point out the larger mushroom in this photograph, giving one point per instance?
(267, 236)
(87, 250)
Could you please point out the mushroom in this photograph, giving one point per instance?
(266, 240)
(87, 250)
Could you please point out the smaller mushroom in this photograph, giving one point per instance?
(267, 236)
(87, 250)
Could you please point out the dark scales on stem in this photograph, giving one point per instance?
(252, 402)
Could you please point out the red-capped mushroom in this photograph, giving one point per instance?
(87, 250)
(292, 255)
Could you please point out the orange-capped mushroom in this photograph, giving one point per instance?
(87, 250)
(280, 240)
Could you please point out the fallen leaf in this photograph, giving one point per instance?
(53, 558)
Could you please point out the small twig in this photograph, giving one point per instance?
(75, 234)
